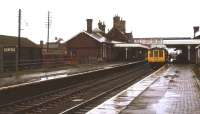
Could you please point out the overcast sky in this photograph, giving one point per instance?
(145, 18)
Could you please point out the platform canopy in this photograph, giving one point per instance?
(181, 42)
(130, 45)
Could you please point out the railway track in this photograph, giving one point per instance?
(77, 96)
(94, 101)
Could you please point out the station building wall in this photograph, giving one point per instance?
(85, 49)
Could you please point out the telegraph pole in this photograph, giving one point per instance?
(19, 40)
(48, 31)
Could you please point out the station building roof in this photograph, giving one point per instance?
(97, 36)
(13, 41)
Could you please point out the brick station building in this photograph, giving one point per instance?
(94, 45)
(90, 46)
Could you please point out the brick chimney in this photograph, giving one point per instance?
(89, 25)
(101, 26)
(116, 21)
(41, 43)
(123, 26)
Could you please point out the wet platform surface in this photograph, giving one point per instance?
(170, 91)
(42, 75)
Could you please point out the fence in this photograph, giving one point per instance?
(10, 66)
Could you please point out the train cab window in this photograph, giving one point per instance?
(156, 53)
(160, 53)
(151, 53)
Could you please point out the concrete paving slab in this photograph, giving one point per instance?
(174, 93)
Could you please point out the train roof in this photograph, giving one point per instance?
(157, 48)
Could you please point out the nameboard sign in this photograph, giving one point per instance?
(9, 49)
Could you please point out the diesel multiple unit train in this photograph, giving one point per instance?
(157, 56)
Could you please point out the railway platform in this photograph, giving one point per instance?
(45, 74)
(171, 90)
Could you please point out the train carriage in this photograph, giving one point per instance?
(157, 56)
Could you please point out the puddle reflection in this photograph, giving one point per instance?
(52, 77)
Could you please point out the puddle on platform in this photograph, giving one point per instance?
(52, 77)
(171, 76)
(177, 71)
(165, 102)
(77, 100)
(107, 67)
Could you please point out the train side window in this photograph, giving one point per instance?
(161, 53)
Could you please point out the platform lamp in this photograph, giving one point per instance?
(196, 29)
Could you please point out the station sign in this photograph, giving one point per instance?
(149, 41)
(9, 49)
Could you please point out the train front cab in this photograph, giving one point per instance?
(157, 57)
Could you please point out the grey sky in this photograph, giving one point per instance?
(145, 18)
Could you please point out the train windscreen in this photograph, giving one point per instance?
(156, 53)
